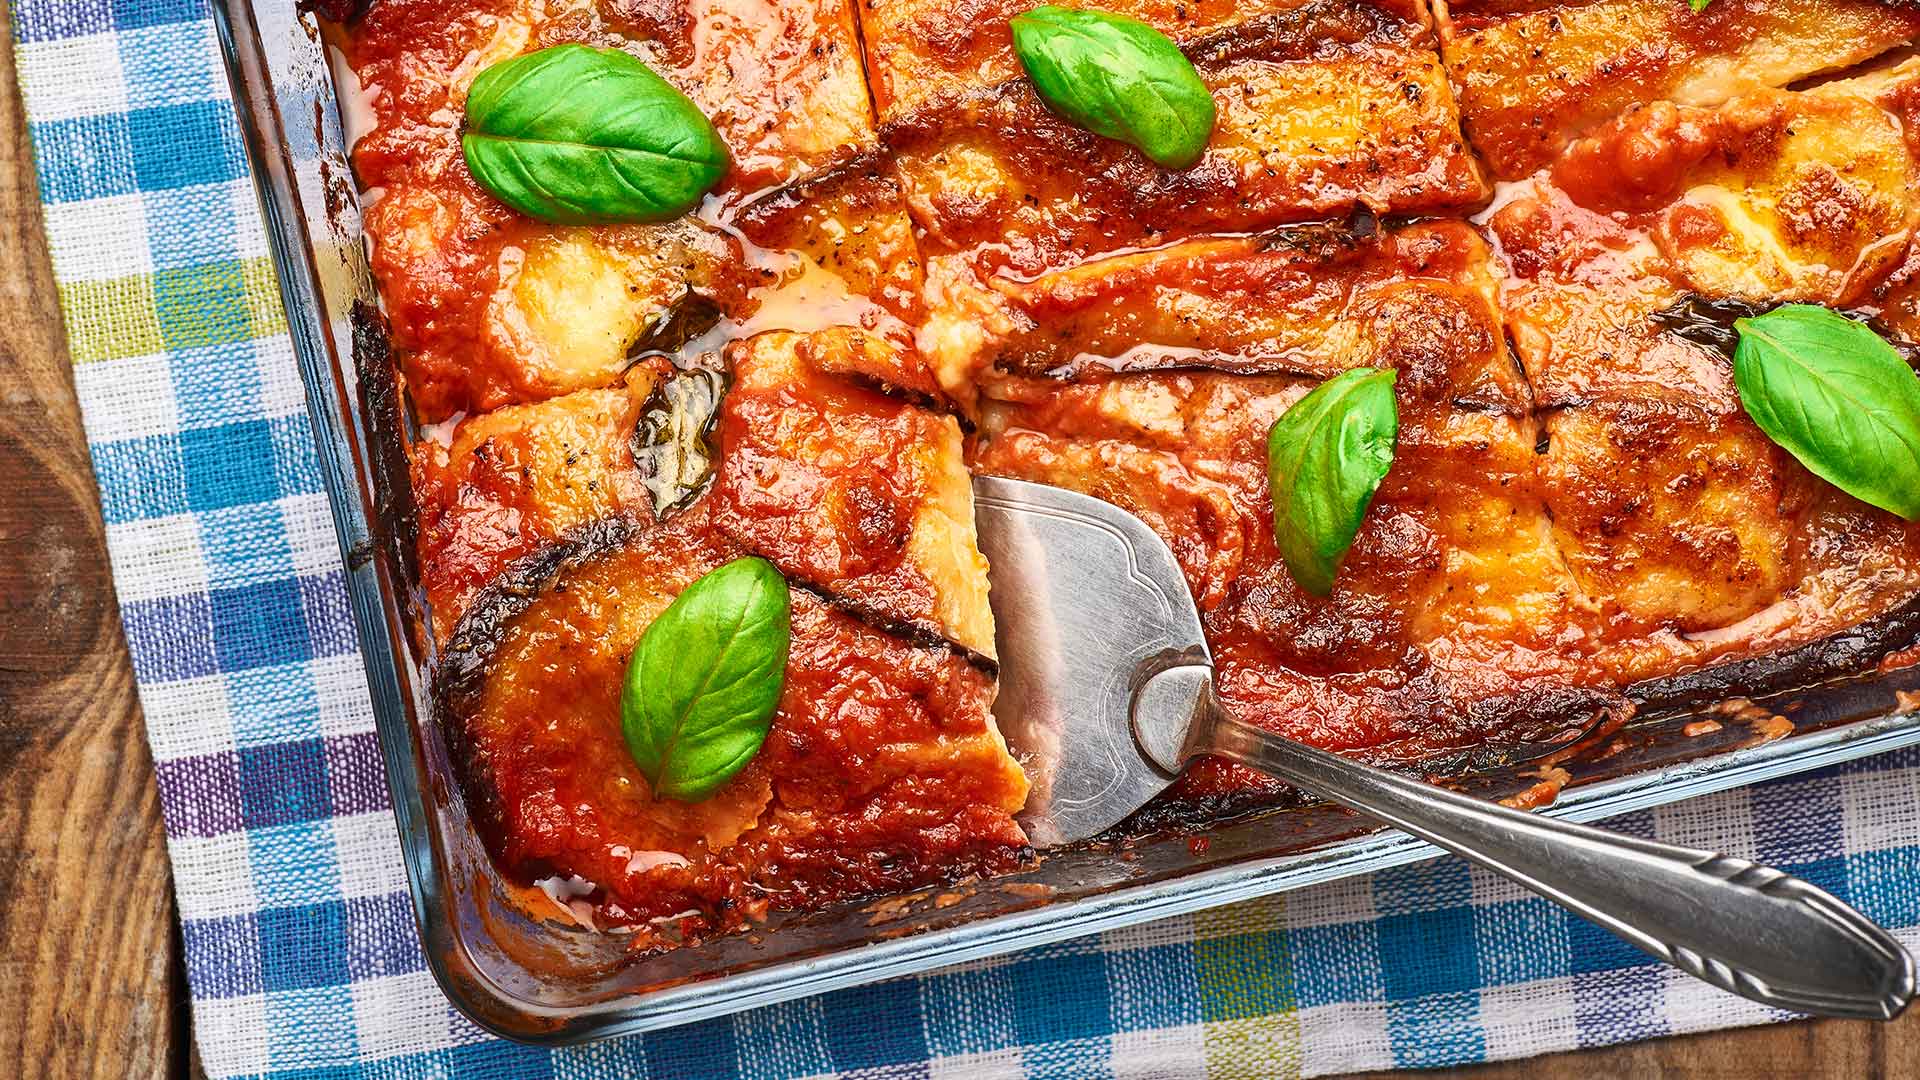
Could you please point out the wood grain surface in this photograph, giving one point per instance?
(89, 974)
(91, 983)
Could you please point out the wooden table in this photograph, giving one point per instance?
(91, 982)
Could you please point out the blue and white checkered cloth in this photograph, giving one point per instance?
(301, 951)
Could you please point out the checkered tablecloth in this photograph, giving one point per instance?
(300, 946)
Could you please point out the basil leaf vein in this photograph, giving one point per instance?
(582, 136)
(1326, 457)
(1838, 398)
(703, 683)
(1118, 78)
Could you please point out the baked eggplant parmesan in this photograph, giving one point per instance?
(1490, 367)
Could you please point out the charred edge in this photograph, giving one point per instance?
(459, 677)
(867, 166)
(475, 638)
(1709, 322)
(1540, 720)
(690, 315)
(1837, 656)
(1222, 362)
(919, 634)
(1596, 738)
(338, 11)
(1301, 34)
(1329, 241)
(395, 527)
(805, 902)
(1168, 816)
(918, 399)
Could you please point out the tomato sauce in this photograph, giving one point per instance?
(1579, 516)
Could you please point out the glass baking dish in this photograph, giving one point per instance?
(549, 982)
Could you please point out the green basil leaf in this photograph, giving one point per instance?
(703, 682)
(1836, 396)
(1117, 77)
(1699, 5)
(582, 136)
(1325, 458)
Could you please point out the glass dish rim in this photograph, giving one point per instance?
(379, 620)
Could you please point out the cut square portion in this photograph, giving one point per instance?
(486, 308)
(1320, 109)
(1533, 75)
(1775, 196)
(850, 489)
(1690, 533)
(489, 308)
(924, 52)
(1692, 537)
(814, 452)
(882, 771)
(498, 487)
(780, 79)
(553, 310)
(1449, 621)
(1579, 302)
(1780, 195)
(1314, 301)
(850, 224)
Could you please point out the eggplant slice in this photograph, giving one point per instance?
(502, 484)
(1534, 76)
(883, 770)
(849, 488)
(1297, 301)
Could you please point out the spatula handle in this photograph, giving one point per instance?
(1743, 927)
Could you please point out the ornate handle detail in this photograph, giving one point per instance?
(1884, 981)
(1746, 928)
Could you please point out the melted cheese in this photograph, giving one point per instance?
(953, 278)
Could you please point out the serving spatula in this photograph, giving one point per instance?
(1106, 692)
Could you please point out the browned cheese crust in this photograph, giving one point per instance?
(1535, 74)
(915, 270)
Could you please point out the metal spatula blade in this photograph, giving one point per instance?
(1106, 691)
(1088, 604)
